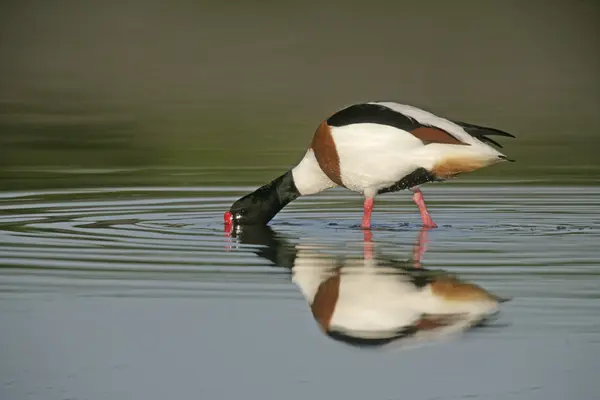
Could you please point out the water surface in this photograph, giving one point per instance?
(137, 292)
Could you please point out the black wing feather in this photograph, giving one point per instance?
(482, 132)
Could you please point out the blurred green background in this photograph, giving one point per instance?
(118, 92)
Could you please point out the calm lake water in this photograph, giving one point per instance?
(138, 293)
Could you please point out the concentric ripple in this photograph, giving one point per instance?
(167, 241)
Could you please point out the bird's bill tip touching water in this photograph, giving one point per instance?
(228, 218)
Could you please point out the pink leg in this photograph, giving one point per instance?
(420, 247)
(366, 221)
(420, 202)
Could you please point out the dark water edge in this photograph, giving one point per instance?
(149, 86)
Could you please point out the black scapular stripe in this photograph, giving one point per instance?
(373, 113)
(418, 177)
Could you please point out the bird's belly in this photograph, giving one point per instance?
(371, 159)
(370, 181)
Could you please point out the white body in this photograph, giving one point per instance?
(373, 156)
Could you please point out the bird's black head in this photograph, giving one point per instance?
(260, 206)
(252, 209)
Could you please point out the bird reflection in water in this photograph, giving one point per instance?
(371, 300)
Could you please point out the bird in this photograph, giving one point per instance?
(375, 148)
(371, 300)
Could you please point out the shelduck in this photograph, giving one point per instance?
(375, 148)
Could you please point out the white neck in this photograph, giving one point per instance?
(309, 178)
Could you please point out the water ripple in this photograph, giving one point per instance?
(526, 240)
